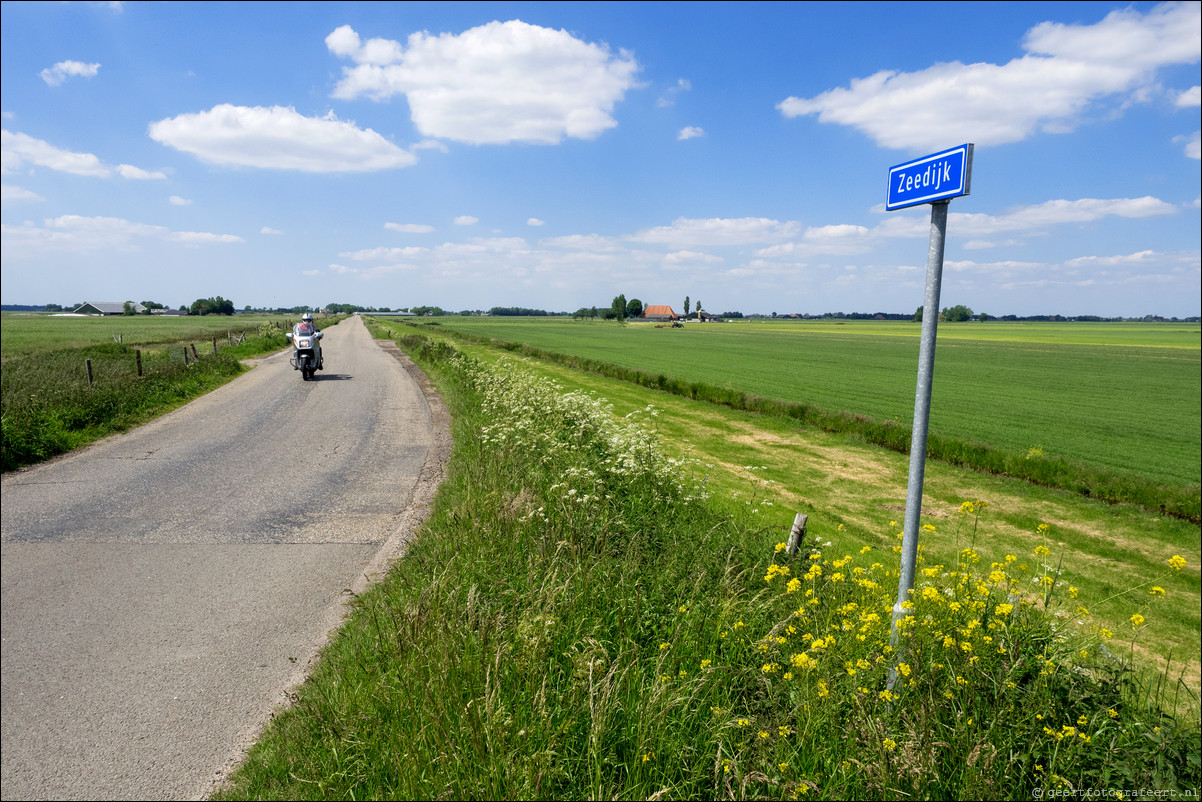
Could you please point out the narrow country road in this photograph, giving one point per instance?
(163, 589)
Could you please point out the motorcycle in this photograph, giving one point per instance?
(307, 354)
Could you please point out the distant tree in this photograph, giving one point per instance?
(686, 306)
(918, 315)
(211, 306)
(957, 314)
(128, 309)
(53, 308)
(618, 307)
(634, 308)
(981, 316)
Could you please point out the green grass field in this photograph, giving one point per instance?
(1123, 397)
(29, 333)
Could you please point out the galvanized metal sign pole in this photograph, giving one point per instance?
(933, 179)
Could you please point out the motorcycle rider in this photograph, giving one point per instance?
(307, 328)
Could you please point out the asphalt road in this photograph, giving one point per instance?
(162, 590)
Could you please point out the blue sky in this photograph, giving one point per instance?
(553, 155)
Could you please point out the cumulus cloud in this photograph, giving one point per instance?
(270, 231)
(494, 84)
(78, 234)
(689, 132)
(1067, 70)
(59, 73)
(18, 150)
(534, 221)
(466, 220)
(409, 228)
(176, 200)
(279, 138)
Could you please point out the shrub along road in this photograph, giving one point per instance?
(163, 590)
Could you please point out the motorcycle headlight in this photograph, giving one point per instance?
(304, 342)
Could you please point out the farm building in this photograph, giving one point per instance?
(104, 308)
(659, 313)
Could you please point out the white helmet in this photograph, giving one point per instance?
(307, 317)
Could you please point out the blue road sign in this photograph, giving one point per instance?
(937, 177)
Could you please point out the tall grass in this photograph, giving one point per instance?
(580, 619)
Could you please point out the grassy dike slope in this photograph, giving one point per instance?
(589, 612)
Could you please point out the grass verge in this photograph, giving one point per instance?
(581, 618)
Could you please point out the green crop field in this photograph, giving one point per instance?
(35, 333)
(1122, 397)
(26, 333)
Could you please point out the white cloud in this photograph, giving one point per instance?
(409, 228)
(1067, 69)
(689, 132)
(176, 200)
(1057, 212)
(981, 245)
(692, 232)
(466, 220)
(494, 84)
(668, 98)
(534, 221)
(11, 194)
(270, 231)
(279, 138)
(17, 150)
(137, 173)
(59, 73)
(1189, 98)
(78, 234)
(382, 254)
(842, 239)
(689, 260)
(1193, 144)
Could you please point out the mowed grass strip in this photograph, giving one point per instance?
(1123, 408)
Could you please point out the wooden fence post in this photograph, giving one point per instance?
(214, 346)
(195, 355)
(138, 354)
(797, 533)
(185, 355)
(88, 362)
